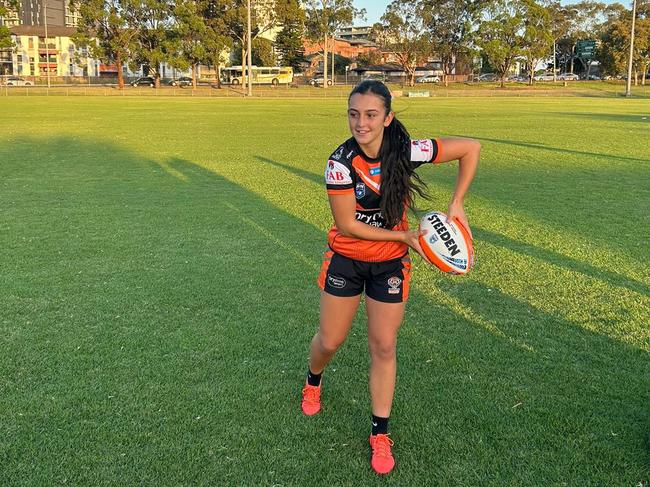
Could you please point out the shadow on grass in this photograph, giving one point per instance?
(500, 240)
(156, 319)
(532, 145)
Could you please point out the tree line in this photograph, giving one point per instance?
(501, 32)
(189, 33)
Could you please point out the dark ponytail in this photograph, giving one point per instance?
(399, 181)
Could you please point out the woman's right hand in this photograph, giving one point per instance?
(412, 239)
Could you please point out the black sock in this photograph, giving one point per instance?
(313, 379)
(379, 425)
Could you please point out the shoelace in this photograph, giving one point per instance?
(311, 393)
(381, 445)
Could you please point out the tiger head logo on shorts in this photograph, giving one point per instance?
(394, 283)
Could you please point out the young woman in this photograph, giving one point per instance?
(370, 184)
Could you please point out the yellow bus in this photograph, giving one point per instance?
(262, 75)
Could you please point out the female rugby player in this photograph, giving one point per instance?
(371, 183)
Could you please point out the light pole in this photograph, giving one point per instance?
(628, 86)
(250, 53)
(47, 45)
(333, 46)
(347, 68)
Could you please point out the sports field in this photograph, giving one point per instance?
(157, 297)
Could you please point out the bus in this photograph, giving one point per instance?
(262, 75)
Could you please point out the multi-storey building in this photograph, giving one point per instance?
(59, 13)
(30, 56)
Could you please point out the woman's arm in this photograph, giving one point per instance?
(467, 151)
(344, 211)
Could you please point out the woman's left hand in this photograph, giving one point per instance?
(456, 211)
(412, 239)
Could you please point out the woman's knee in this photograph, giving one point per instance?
(384, 350)
(328, 345)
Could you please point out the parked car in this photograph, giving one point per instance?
(182, 81)
(568, 77)
(144, 81)
(376, 76)
(518, 78)
(430, 78)
(17, 81)
(320, 81)
(593, 77)
(544, 77)
(486, 77)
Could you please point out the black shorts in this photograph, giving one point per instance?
(387, 281)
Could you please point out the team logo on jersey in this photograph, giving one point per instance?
(374, 171)
(337, 173)
(337, 155)
(394, 285)
(423, 145)
(337, 282)
(360, 190)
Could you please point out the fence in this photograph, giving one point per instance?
(584, 89)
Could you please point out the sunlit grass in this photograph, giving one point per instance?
(158, 295)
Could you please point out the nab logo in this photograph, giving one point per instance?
(424, 145)
(374, 171)
(337, 173)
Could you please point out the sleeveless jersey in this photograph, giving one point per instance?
(349, 170)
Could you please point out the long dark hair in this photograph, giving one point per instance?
(399, 181)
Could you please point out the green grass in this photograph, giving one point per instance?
(158, 295)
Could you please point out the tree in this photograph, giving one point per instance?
(324, 18)
(262, 55)
(501, 36)
(642, 39)
(108, 28)
(584, 16)
(449, 24)
(561, 20)
(369, 58)
(155, 37)
(615, 41)
(217, 39)
(537, 36)
(5, 34)
(402, 31)
(288, 42)
(263, 19)
(197, 35)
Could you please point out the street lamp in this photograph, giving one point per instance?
(250, 53)
(628, 87)
(47, 46)
(347, 68)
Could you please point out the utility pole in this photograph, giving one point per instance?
(333, 46)
(47, 45)
(628, 86)
(249, 61)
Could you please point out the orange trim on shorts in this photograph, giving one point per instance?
(406, 277)
(327, 259)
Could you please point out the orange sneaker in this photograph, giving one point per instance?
(382, 460)
(310, 399)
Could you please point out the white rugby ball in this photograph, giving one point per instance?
(447, 245)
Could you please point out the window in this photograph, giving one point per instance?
(31, 43)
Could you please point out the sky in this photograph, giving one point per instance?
(376, 8)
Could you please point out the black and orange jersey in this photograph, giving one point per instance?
(349, 170)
